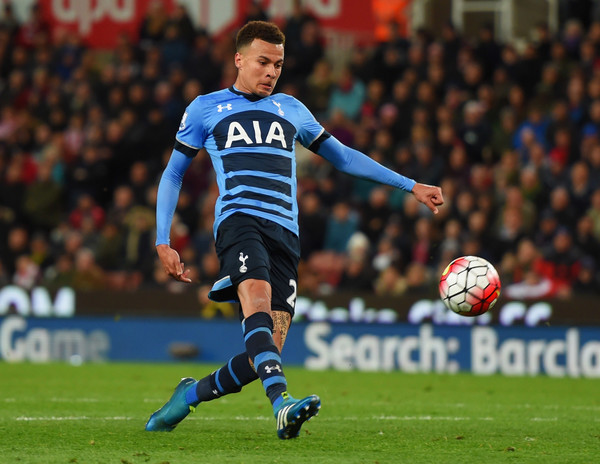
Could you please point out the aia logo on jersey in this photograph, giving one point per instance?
(254, 128)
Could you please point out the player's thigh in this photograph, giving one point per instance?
(243, 256)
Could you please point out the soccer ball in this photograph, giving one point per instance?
(469, 286)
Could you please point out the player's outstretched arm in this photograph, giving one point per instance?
(430, 195)
(358, 164)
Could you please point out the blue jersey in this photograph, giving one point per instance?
(251, 142)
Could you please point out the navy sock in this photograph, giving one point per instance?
(230, 378)
(258, 337)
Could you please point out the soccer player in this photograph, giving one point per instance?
(250, 135)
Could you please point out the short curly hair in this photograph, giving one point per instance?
(263, 30)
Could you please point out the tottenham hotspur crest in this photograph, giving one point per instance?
(243, 259)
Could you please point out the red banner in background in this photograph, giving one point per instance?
(343, 15)
(100, 22)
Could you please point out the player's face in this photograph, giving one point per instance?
(259, 66)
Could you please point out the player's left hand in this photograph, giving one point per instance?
(430, 195)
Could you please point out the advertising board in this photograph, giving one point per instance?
(483, 350)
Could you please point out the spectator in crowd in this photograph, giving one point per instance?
(594, 213)
(41, 253)
(375, 214)
(390, 282)
(560, 263)
(88, 275)
(152, 29)
(587, 280)
(340, 227)
(86, 208)
(43, 200)
(510, 232)
(110, 247)
(357, 273)
(305, 52)
(174, 47)
(579, 187)
(60, 274)
(312, 222)
(475, 132)
(348, 95)
(16, 245)
(487, 50)
(561, 207)
(27, 272)
(319, 86)
(418, 279)
(87, 174)
(525, 280)
(424, 243)
(585, 240)
(180, 18)
(255, 12)
(532, 189)
(138, 238)
(593, 160)
(139, 181)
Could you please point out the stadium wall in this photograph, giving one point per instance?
(577, 310)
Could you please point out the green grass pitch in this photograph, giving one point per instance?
(58, 413)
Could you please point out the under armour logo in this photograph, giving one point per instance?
(243, 259)
(226, 107)
(270, 369)
(278, 105)
(215, 392)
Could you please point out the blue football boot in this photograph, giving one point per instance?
(174, 410)
(292, 413)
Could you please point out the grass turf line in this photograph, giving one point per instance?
(95, 413)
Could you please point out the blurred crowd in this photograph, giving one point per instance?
(511, 133)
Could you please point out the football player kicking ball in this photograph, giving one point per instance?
(250, 135)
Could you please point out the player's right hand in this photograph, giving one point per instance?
(172, 263)
(430, 195)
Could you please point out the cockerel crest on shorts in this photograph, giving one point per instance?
(243, 259)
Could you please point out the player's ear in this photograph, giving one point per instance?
(238, 60)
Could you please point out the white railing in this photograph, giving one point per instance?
(503, 11)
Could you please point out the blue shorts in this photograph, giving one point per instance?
(251, 247)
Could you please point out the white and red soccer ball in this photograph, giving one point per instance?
(469, 286)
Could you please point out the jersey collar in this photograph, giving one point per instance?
(247, 96)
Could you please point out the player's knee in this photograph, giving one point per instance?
(257, 303)
(255, 296)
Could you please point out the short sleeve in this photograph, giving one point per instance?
(309, 128)
(192, 128)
